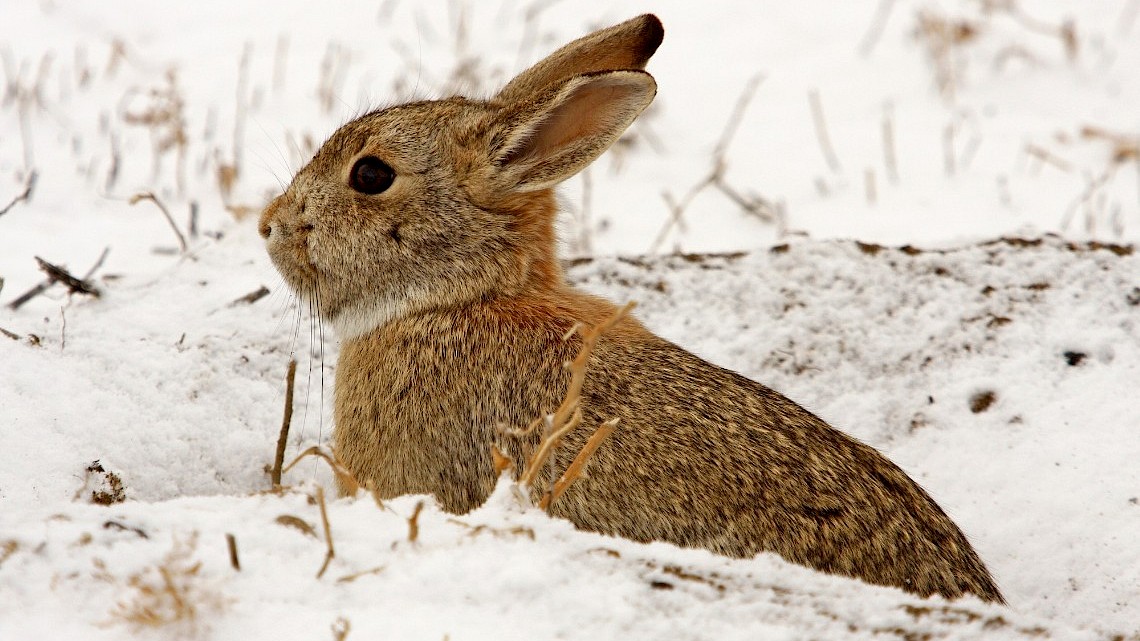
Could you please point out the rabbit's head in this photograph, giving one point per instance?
(443, 203)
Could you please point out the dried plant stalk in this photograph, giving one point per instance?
(575, 470)
(567, 417)
(821, 134)
(165, 212)
(342, 474)
(414, 523)
(330, 553)
(286, 420)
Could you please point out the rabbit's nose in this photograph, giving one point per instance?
(265, 224)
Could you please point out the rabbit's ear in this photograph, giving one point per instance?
(545, 141)
(628, 45)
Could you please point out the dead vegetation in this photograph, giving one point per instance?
(947, 37)
(170, 594)
(749, 203)
(102, 486)
(566, 418)
(161, 110)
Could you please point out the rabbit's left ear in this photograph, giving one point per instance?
(540, 143)
(628, 45)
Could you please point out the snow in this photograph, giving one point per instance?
(1015, 285)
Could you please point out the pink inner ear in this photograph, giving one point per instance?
(593, 109)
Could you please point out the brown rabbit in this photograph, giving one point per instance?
(425, 233)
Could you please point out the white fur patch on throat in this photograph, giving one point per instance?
(357, 320)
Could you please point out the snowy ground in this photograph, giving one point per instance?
(176, 386)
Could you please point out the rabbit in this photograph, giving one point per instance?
(424, 233)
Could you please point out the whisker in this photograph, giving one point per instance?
(321, 337)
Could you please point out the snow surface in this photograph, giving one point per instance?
(178, 389)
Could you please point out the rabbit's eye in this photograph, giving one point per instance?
(370, 175)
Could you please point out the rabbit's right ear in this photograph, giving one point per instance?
(541, 142)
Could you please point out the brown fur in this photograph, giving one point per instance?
(452, 310)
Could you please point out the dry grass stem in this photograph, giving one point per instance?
(242, 106)
(24, 196)
(146, 195)
(414, 522)
(231, 545)
(501, 462)
(342, 474)
(1047, 157)
(820, 123)
(349, 578)
(192, 223)
(330, 552)
(949, 163)
(890, 158)
(575, 470)
(875, 30)
(568, 416)
(297, 523)
(1127, 17)
(280, 58)
(869, 186)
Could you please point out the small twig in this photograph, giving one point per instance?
(10, 335)
(331, 553)
(287, 419)
(821, 131)
(737, 116)
(151, 197)
(58, 274)
(280, 56)
(414, 523)
(242, 107)
(231, 543)
(875, 31)
(251, 298)
(1048, 157)
(43, 286)
(62, 330)
(499, 461)
(890, 158)
(575, 470)
(24, 196)
(192, 227)
(948, 160)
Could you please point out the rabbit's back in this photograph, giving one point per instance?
(708, 458)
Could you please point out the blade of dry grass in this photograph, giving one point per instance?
(575, 470)
(286, 420)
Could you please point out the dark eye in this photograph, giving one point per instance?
(370, 175)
